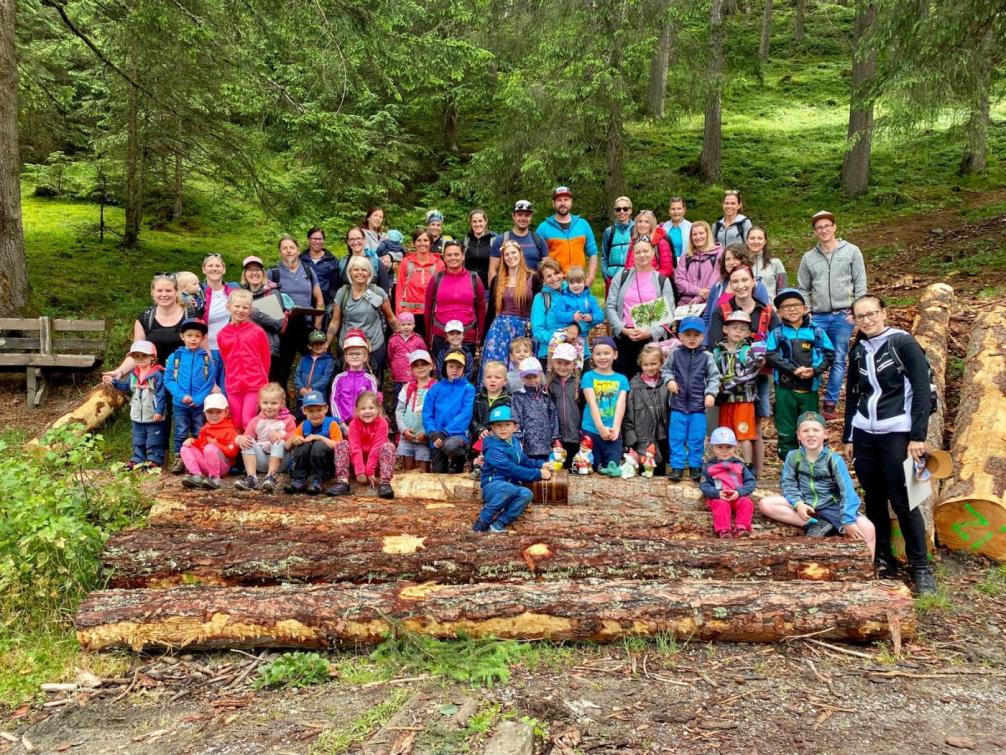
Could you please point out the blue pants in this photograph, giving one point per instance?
(189, 420)
(504, 502)
(839, 330)
(688, 429)
(605, 450)
(150, 442)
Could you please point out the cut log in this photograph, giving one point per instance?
(318, 616)
(96, 409)
(971, 515)
(171, 556)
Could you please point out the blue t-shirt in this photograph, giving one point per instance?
(674, 236)
(532, 254)
(297, 284)
(607, 389)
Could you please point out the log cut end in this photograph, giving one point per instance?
(975, 525)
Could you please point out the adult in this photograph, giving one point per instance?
(215, 293)
(532, 245)
(887, 407)
(677, 229)
(833, 276)
(478, 244)
(454, 294)
(640, 284)
(356, 245)
(268, 305)
(414, 275)
(298, 281)
(323, 263)
(510, 295)
(435, 227)
(543, 321)
(616, 240)
(645, 227)
(373, 229)
(361, 305)
(699, 270)
(733, 227)
(569, 237)
(733, 256)
(159, 323)
(767, 269)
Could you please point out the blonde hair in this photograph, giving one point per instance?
(360, 261)
(645, 215)
(521, 289)
(575, 274)
(185, 278)
(271, 389)
(709, 237)
(240, 294)
(521, 341)
(494, 364)
(647, 350)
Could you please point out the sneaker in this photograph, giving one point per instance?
(886, 568)
(192, 481)
(248, 482)
(675, 475)
(268, 485)
(476, 473)
(211, 483)
(725, 534)
(313, 486)
(295, 486)
(339, 488)
(829, 410)
(384, 490)
(131, 465)
(497, 527)
(925, 581)
(742, 533)
(818, 528)
(695, 474)
(178, 466)
(480, 526)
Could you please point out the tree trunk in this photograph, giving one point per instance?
(712, 138)
(974, 160)
(971, 515)
(798, 33)
(614, 27)
(95, 410)
(766, 31)
(134, 170)
(855, 177)
(319, 616)
(176, 210)
(656, 92)
(13, 265)
(452, 125)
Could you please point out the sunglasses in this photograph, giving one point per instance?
(623, 209)
(165, 276)
(211, 255)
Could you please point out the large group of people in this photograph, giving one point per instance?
(490, 353)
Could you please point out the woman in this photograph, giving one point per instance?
(414, 275)
(733, 227)
(642, 284)
(435, 227)
(510, 297)
(477, 244)
(299, 282)
(887, 408)
(373, 229)
(363, 306)
(616, 241)
(269, 305)
(767, 269)
(454, 294)
(543, 323)
(215, 293)
(323, 262)
(734, 256)
(699, 268)
(645, 227)
(356, 243)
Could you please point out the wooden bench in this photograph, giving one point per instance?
(44, 343)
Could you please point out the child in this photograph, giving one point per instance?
(646, 408)
(189, 376)
(727, 484)
(368, 447)
(739, 367)
(493, 391)
(313, 445)
(454, 332)
(506, 466)
(535, 414)
(447, 413)
(817, 492)
(191, 293)
(564, 388)
(244, 349)
(147, 406)
(315, 370)
(575, 311)
(800, 352)
(693, 382)
(402, 344)
(413, 445)
(520, 349)
(348, 385)
(263, 443)
(210, 455)
(604, 393)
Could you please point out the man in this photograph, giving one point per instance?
(534, 246)
(569, 237)
(833, 276)
(615, 240)
(677, 229)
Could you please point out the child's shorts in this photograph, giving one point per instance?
(740, 418)
(413, 450)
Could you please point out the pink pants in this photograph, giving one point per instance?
(385, 461)
(208, 462)
(743, 510)
(244, 406)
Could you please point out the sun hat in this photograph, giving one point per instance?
(722, 436)
(565, 351)
(215, 401)
(143, 347)
(529, 366)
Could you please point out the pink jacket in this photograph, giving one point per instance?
(398, 355)
(244, 348)
(365, 441)
(696, 271)
(260, 428)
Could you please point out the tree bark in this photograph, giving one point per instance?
(971, 515)
(799, 34)
(614, 182)
(855, 178)
(712, 137)
(176, 210)
(13, 264)
(134, 170)
(319, 616)
(766, 31)
(656, 92)
(95, 410)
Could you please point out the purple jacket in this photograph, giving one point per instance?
(345, 388)
(695, 271)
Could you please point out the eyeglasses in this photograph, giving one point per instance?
(355, 240)
(868, 315)
(623, 209)
(794, 305)
(824, 227)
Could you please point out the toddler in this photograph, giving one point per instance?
(263, 443)
(191, 293)
(313, 445)
(147, 405)
(534, 413)
(402, 344)
(190, 375)
(209, 456)
(646, 407)
(454, 333)
(315, 370)
(413, 445)
(348, 385)
(564, 388)
(368, 448)
(604, 395)
(727, 484)
(244, 349)
(575, 312)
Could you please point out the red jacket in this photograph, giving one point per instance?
(244, 347)
(223, 434)
(365, 441)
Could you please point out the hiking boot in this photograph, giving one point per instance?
(675, 475)
(829, 410)
(886, 568)
(818, 528)
(724, 534)
(742, 533)
(295, 486)
(248, 482)
(925, 581)
(339, 488)
(480, 526)
(192, 481)
(268, 484)
(211, 483)
(178, 466)
(384, 491)
(313, 486)
(695, 475)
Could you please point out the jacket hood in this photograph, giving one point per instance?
(555, 223)
(325, 256)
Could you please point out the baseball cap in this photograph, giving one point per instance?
(251, 259)
(565, 351)
(420, 355)
(722, 436)
(355, 338)
(456, 355)
(811, 417)
(738, 315)
(822, 215)
(529, 366)
(193, 323)
(561, 191)
(215, 401)
(316, 336)
(142, 347)
(693, 324)
(788, 293)
(522, 205)
(314, 398)
(434, 215)
(606, 341)
(501, 413)
(454, 326)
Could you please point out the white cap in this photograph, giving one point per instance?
(529, 366)
(355, 340)
(454, 326)
(565, 351)
(420, 355)
(215, 401)
(142, 347)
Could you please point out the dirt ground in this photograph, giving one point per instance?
(943, 692)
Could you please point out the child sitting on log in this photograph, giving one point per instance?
(263, 443)
(727, 484)
(817, 492)
(313, 446)
(494, 390)
(210, 455)
(368, 450)
(506, 467)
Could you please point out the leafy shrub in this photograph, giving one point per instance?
(479, 662)
(294, 670)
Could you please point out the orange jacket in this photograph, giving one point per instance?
(224, 436)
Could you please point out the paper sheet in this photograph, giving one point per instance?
(917, 491)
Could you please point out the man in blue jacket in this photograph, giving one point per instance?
(447, 412)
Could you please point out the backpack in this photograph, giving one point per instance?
(661, 280)
(739, 225)
(764, 319)
(899, 364)
(538, 241)
(176, 363)
(343, 293)
(831, 471)
(274, 274)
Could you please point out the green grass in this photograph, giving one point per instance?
(334, 741)
(994, 584)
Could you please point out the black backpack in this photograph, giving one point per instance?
(934, 399)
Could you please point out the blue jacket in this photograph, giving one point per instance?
(615, 248)
(447, 408)
(507, 461)
(543, 319)
(327, 271)
(825, 486)
(190, 373)
(321, 380)
(695, 372)
(787, 348)
(568, 304)
(537, 420)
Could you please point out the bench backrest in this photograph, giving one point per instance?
(46, 335)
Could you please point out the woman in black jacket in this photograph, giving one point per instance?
(887, 408)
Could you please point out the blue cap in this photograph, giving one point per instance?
(606, 341)
(693, 324)
(395, 237)
(501, 413)
(722, 436)
(788, 293)
(314, 399)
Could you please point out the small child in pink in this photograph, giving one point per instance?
(348, 385)
(244, 348)
(263, 442)
(400, 345)
(209, 456)
(368, 448)
(727, 484)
